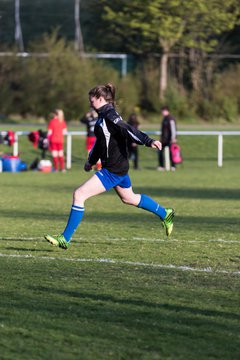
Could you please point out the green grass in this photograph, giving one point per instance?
(56, 305)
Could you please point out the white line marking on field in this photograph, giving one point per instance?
(20, 238)
(186, 241)
(120, 262)
(224, 241)
(129, 239)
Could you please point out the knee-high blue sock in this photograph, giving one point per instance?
(149, 204)
(74, 220)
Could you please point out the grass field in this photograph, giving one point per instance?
(123, 290)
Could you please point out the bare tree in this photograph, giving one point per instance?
(79, 46)
(18, 30)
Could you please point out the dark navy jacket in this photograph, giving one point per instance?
(90, 122)
(111, 144)
(168, 130)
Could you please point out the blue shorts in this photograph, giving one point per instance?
(110, 180)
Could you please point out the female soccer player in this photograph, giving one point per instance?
(111, 147)
(57, 128)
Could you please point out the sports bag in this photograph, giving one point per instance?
(176, 153)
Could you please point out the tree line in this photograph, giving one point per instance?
(177, 46)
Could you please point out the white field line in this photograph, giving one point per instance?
(186, 241)
(129, 239)
(120, 262)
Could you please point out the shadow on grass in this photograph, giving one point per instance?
(142, 303)
(133, 219)
(171, 192)
(25, 249)
(210, 223)
(66, 305)
(33, 215)
(187, 193)
(101, 317)
(191, 193)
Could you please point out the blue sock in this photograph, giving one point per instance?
(149, 204)
(74, 220)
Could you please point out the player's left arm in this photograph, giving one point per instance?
(128, 131)
(64, 130)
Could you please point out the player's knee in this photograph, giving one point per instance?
(127, 201)
(133, 199)
(54, 153)
(78, 195)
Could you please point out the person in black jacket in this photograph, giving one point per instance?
(90, 119)
(168, 137)
(110, 147)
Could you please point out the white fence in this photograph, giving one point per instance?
(70, 134)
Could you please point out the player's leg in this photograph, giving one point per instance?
(140, 200)
(161, 160)
(90, 188)
(127, 195)
(135, 158)
(145, 202)
(55, 159)
(61, 157)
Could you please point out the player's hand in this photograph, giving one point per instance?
(156, 145)
(87, 166)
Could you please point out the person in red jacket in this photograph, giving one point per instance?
(57, 128)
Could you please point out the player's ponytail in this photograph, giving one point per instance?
(111, 91)
(106, 91)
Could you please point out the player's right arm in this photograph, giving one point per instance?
(94, 154)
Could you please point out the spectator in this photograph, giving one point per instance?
(132, 146)
(168, 137)
(57, 128)
(90, 119)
